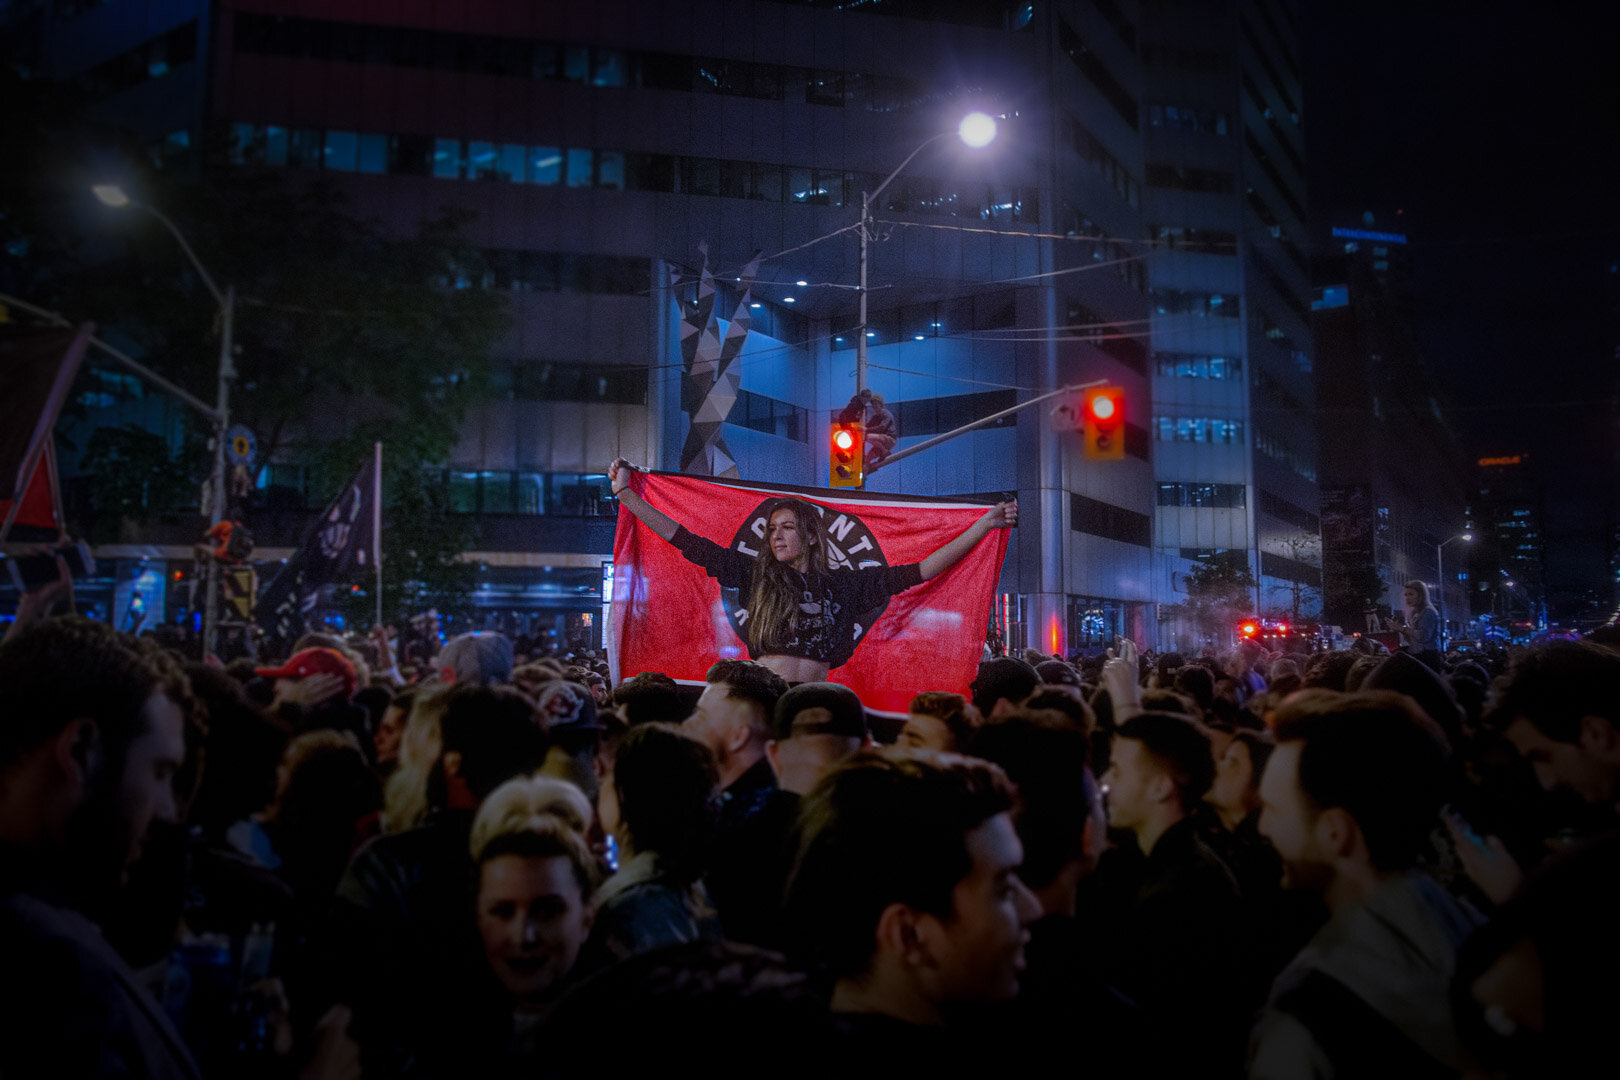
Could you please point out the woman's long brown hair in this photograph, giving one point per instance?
(773, 604)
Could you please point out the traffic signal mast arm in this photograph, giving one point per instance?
(929, 444)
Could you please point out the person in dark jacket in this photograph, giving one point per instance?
(405, 954)
(94, 735)
(1173, 904)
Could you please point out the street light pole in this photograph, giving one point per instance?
(976, 130)
(218, 508)
(1440, 580)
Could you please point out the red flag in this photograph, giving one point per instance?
(670, 616)
(37, 508)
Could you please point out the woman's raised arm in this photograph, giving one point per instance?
(656, 520)
(1000, 516)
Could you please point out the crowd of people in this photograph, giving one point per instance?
(482, 863)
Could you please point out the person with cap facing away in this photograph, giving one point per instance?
(483, 657)
(313, 691)
(817, 725)
(813, 728)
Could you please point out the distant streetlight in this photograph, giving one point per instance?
(977, 130)
(1440, 576)
(114, 196)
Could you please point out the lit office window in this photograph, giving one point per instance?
(342, 151)
(373, 154)
(610, 169)
(545, 164)
(579, 168)
(447, 159)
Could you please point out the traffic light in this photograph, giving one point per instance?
(1104, 414)
(846, 461)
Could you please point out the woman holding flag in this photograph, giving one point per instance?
(800, 613)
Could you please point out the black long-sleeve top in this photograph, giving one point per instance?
(826, 629)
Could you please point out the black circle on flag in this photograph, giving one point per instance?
(851, 545)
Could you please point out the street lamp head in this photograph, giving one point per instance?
(111, 195)
(977, 129)
(1467, 536)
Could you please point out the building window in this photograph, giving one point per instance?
(1197, 494)
(1183, 178)
(1188, 118)
(1187, 238)
(1198, 429)
(1180, 302)
(447, 159)
(1095, 71)
(1197, 366)
(1097, 518)
(780, 418)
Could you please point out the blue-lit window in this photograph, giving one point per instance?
(610, 169)
(447, 159)
(509, 162)
(579, 168)
(576, 63)
(496, 494)
(463, 493)
(545, 164)
(480, 161)
(373, 154)
(342, 151)
(247, 145)
(275, 145)
(304, 148)
(607, 68)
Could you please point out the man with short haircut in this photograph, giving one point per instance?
(939, 720)
(1174, 941)
(1349, 798)
(650, 697)
(93, 736)
(906, 889)
(733, 718)
(1560, 708)
(483, 657)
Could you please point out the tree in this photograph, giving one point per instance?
(1302, 548)
(347, 332)
(139, 478)
(1220, 591)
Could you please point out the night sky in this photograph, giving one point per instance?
(1494, 127)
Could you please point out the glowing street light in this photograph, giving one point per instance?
(976, 130)
(1440, 576)
(114, 196)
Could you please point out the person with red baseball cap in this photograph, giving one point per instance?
(313, 690)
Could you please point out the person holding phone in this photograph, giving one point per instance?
(801, 610)
(1420, 633)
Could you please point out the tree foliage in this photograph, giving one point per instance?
(347, 330)
(139, 478)
(1220, 591)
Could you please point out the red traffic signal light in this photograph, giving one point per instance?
(1104, 413)
(846, 458)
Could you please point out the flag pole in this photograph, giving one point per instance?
(376, 524)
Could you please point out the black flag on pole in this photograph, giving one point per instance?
(343, 537)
